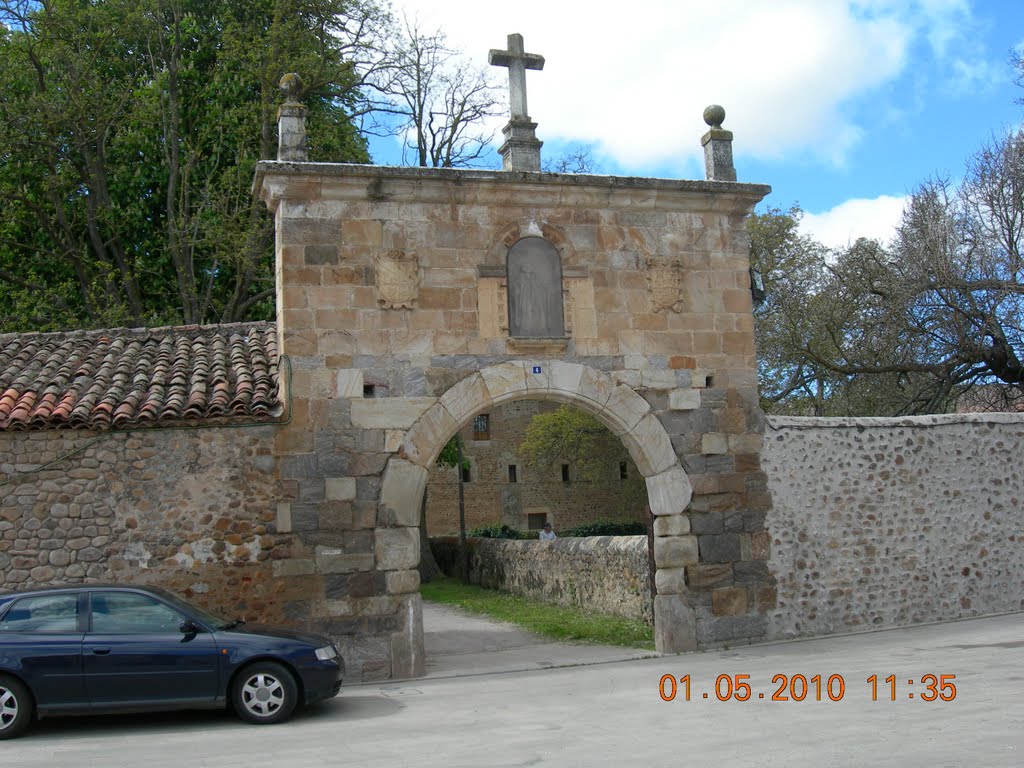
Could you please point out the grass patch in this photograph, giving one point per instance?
(550, 620)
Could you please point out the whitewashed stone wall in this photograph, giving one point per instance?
(604, 574)
(889, 522)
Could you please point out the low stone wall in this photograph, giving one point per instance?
(888, 522)
(606, 574)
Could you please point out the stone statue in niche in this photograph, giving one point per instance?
(398, 279)
(534, 271)
(665, 279)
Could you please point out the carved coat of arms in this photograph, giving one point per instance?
(398, 279)
(665, 279)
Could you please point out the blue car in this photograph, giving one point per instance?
(107, 648)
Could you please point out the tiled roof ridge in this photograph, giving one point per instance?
(126, 377)
(210, 329)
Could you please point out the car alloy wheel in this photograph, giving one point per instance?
(264, 693)
(15, 707)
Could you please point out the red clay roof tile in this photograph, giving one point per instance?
(138, 377)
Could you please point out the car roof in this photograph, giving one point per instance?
(66, 588)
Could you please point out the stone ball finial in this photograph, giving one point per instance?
(291, 85)
(714, 116)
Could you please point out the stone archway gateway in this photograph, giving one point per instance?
(394, 311)
(622, 410)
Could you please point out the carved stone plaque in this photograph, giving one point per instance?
(398, 279)
(535, 289)
(665, 279)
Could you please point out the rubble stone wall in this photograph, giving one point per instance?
(192, 510)
(604, 574)
(889, 522)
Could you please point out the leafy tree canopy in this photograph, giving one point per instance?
(569, 434)
(129, 131)
(913, 327)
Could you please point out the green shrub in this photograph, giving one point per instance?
(494, 532)
(606, 528)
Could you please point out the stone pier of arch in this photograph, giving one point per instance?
(393, 313)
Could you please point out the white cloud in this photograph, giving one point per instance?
(634, 80)
(839, 227)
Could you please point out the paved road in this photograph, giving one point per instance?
(459, 645)
(610, 714)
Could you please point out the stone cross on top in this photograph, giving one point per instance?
(517, 61)
(521, 150)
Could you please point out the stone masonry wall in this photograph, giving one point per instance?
(192, 510)
(491, 499)
(392, 296)
(604, 574)
(887, 522)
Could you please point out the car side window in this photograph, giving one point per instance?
(129, 613)
(42, 613)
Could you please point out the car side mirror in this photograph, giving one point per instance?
(188, 627)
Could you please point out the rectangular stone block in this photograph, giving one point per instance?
(331, 560)
(403, 582)
(284, 517)
(668, 492)
(402, 490)
(491, 304)
(389, 412)
(670, 581)
(350, 382)
(684, 399)
(729, 601)
(393, 440)
(707, 576)
(675, 551)
(671, 525)
(714, 443)
(321, 255)
(720, 548)
(293, 567)
(674, 625)
(653, 379)
(397, 549)
(341, 488)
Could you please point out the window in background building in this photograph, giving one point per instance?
(466, 476)
(565, 473)
(513, 473)
(482, 427)
(535, 520)
(623, 470)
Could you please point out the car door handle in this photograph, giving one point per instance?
(101, 651)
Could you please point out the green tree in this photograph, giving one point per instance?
(129, 131)
(915, 327)
(569, 434)
(793, 267)
(451, 456)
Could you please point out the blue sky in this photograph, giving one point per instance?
(841, 106)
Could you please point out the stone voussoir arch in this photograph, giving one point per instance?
(618, 406)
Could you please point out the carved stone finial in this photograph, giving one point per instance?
(291, 85)
(714, 116)
(717, 143)
(291, 120)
